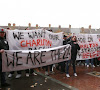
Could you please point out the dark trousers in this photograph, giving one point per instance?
(67, 66)
(2, 74)
(62, 65)
(47, 67)
(18, 72)
(98, 62)
(31, 71)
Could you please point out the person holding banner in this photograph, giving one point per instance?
(74, 49)
(50, 67)
(62, 64)
(29, 71)
(3, 46)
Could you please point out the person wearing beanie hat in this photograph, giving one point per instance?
(3, 46)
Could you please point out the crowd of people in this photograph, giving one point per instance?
(63, 67)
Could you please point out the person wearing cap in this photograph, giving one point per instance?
(3, 46)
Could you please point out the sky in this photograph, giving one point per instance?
(77, 13)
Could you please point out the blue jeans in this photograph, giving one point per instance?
(88, 61)
(67, 66)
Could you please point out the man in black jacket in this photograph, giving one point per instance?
(74, 49)
(3, 46)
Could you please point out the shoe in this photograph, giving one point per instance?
(75, 74)
(5, 85)
(18, 76)
(97, 65)
(67, 75)
(87, 65)
(93, 66)
(10, 75)
(27, 75)
(46, 73)
(34, 73)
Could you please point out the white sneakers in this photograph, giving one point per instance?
(87, 65)
(75, 74)
(67, 75)
(34, 73)
(17, 76)
(10, 75)
(93, 66)
(27, 75)
(98, 65)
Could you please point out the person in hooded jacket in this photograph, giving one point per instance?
(74, 49)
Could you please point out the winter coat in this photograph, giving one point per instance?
(74, 49)
(3, 45)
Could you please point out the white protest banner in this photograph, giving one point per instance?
(90, 46)
(33, 39)
(25, 59)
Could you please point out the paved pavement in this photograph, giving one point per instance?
(39, 82)
(87, 79)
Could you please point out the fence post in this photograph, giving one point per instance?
(69, 28)
(90, 28)
(36, 26)
(82, 29)
(59, 27)
(9, 25)
(14, 25)
(29, 25)
(49, 26)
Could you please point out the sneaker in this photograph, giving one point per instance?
(5, 85)
(87, 65)
(75, 74)
(93, 66)
(67, 75)
(34, 73)
(97, 65)
(27, 74)
(10, 75)
(18, 76)
(46, 73)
